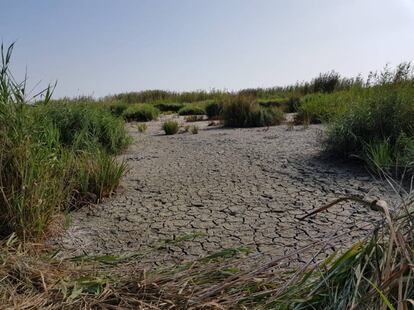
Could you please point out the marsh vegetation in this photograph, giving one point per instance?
(60, 155)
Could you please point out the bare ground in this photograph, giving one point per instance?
(186, 196)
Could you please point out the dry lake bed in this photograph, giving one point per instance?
(189, 195)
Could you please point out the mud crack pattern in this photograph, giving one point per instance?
(229, 187)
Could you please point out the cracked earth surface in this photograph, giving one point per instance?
(230, 188)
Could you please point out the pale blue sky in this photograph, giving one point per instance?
(101, 47)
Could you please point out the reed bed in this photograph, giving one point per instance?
(53, 156)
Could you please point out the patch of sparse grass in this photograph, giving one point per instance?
(185, 129)
(290, 126)
(194, 118)
(273, 116)
(141, 113)
(227, 253)
(213, 123)
(142, 127)
(194, 129)
(170, 127)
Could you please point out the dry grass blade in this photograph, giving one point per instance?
(376, 205)
(34, 281)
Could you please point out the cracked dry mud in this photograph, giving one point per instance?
(231, 188)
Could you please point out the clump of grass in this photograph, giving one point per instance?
(116, 107)
(33, 186)
(273, 116)
(323, 108)
(97, 175)
(194, 118)
(288, 105)
(141, 113)
(170, 127)
(169, 106)
(378, 127)
(83, 126)
(242, 111)
(194, 129)
(293, 103)
(213, 110)
(142, 127)
(379, 156)
(52, 155)
(271, 102)
(192, 109)
(326, 82)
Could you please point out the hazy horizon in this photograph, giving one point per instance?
(104, 47)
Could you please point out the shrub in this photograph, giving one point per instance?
(213, 109)
(141, 113)
(170, 127)
(242, 111)
(192, 109)
(142, 127)
(169, 106)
